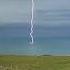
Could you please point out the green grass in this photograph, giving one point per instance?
(34, 63)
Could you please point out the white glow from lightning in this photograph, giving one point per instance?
(31, 22)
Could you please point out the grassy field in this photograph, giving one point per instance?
(34, 63)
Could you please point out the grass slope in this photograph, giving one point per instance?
(34, 63)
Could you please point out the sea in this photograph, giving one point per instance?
(15, 40)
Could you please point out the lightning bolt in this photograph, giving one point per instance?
(32, 17)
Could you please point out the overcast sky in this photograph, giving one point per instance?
(53, 12)
(15, 10)
(46, 11)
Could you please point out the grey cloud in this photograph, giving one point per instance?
(52, 17)
(15, 10)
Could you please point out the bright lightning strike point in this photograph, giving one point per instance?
(32, 17)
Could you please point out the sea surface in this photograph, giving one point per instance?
(15, 40)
